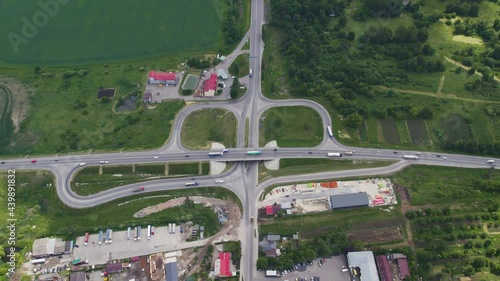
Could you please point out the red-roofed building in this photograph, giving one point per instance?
(404, 270)
(273, 210)
(383, 268)
(167, 78)
(210, 86)
(225, 263)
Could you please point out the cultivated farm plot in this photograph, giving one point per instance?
(455, 128)
(86, 30)
(190, 82)
(390, 129)
(377, 235)
(418, 131)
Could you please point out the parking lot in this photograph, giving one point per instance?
(163, 92)
(330, 270)
(122, 248)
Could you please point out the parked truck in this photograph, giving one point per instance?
(138, 233)
(99, 237)
(412, 157)
(149, 232)
(107, 236)
(110, 236)
(169, 228)
(135, 233)
(173, 228)
(128, 233)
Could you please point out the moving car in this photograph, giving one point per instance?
(83, 164)
(219, 181)
(137, 189)
(104, 162)
(155, 157)
(33, 161)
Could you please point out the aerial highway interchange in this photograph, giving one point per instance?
(242, 178)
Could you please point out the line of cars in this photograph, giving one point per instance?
(50, 270)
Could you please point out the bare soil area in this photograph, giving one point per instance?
(20, 94)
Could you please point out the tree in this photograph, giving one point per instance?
(354, 120)
(234, 89)
(342, 21)
(262, 263)
(350, 36)
(479, 263)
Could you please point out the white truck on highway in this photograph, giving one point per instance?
(250, 73)
(412, 157)
(490, 161)
(334, 154)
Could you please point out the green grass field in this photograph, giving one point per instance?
(443, 185)
(89, 181)
(65, 114)
(295, 126)
(273, 71)
(240, 66)
(86, 30)
(202, 127)
(308, 166)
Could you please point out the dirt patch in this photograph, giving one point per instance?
(20, 95)
(467, 39)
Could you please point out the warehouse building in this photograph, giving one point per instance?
(167, 78)
(350, 200)
(383, 268)
(362, 265)
(46, 247)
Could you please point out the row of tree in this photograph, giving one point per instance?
(329, 244)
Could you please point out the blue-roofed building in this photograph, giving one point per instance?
(171, 271)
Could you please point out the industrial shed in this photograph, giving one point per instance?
(171, 271)
(350, 200)
(51, 247)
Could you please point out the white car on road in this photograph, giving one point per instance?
(219, 181)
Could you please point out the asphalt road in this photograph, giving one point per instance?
(242, 179)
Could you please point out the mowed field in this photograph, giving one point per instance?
(93, 31)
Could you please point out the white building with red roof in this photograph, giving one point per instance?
(210, 86)
(223, 265)
(167, 78)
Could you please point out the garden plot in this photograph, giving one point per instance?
(390, 129)
(418, 132)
